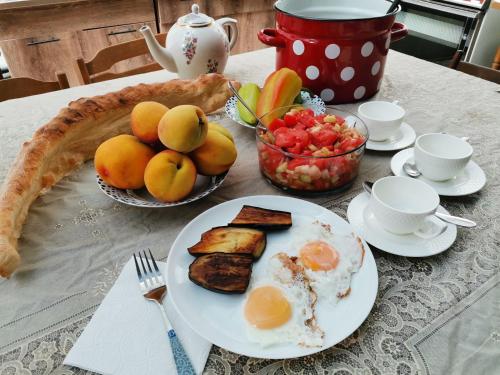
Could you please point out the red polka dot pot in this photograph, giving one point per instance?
(341, 60)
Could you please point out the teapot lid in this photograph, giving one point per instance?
(195, 18)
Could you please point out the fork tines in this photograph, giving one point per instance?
(150, 277)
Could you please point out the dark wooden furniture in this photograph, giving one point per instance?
(99, 68)
(13, 88)
(473, 69)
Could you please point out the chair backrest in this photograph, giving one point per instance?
(479, 71)
(12, 88)
(473, 69)
(97, 69)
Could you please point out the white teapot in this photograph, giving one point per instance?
(196, 44)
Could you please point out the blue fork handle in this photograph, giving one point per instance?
(182, 362)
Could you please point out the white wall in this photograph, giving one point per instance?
(488, 38)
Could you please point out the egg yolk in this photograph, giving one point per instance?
(267, 308)
(319, 256)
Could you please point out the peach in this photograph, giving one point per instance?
(170, 176)
(144, 120)
(218, 152)
(121, 161)
(183, 128)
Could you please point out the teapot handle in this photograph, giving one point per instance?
(231, 23)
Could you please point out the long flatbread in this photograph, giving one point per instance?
(72, 137)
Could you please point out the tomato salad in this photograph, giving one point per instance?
(304, 151)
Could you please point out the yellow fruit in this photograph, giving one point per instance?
(183, 128)
(170, 176)
(144, 120)
(121, 161)
(217, 154)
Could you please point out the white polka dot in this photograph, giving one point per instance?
(332, 51)
(347, 73)
(375, 68)
(312, 72)
(327, 95)
(359, 92)
(379, 84)
(388, 42)
(298, 47)
(367, 49)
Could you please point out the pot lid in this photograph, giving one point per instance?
(195, 18)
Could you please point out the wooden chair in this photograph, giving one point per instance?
(97, 69)
(12, 88)
(473, 69)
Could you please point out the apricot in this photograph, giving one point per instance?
(144, 120)
(170, 176)
(183, 128)
(121, 161)
(217, 154)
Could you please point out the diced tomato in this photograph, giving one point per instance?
(340, 119)
(324, 138)
(321, 163)
(344, 144)
(271, 158)
(284, 137)
(276, 124)
(290, 120)
(302, 137)
(296, 149)
(320, 118)
(309, 111)
(294, 163)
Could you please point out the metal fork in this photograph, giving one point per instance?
(153, 288)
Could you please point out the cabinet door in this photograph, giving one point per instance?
(43, 56)
(92, 41)
(248, 25)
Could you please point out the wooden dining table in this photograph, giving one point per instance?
(434, 315)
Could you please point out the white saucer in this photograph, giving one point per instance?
(471, 180)
(366, 226)
(404, 137)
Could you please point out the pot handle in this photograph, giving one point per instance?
(271, 38)
(398, 31)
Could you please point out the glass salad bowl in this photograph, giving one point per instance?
(300, 152)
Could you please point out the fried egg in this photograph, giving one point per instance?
(279, 307)
(328, 259)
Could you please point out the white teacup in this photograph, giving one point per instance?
(403, 205)
(383, 119)
(440, 157)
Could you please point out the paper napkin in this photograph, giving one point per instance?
(127, 335)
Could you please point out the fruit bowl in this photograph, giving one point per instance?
(311, 153)
(313, 102)
(141, 198)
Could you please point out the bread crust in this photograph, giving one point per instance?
(72, 137)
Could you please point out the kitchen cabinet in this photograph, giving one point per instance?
(40, 37)
(91, 41)
(41, 57)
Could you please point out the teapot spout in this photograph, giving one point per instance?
(159, 53)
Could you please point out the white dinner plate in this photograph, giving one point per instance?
(219, 317)
(404, 137)
(471, 180)
(313, 102)
(409, 245)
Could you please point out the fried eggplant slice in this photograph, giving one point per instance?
(262, 218)
(222, 272)
(233, 240)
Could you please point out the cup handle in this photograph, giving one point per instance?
(432, 228)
